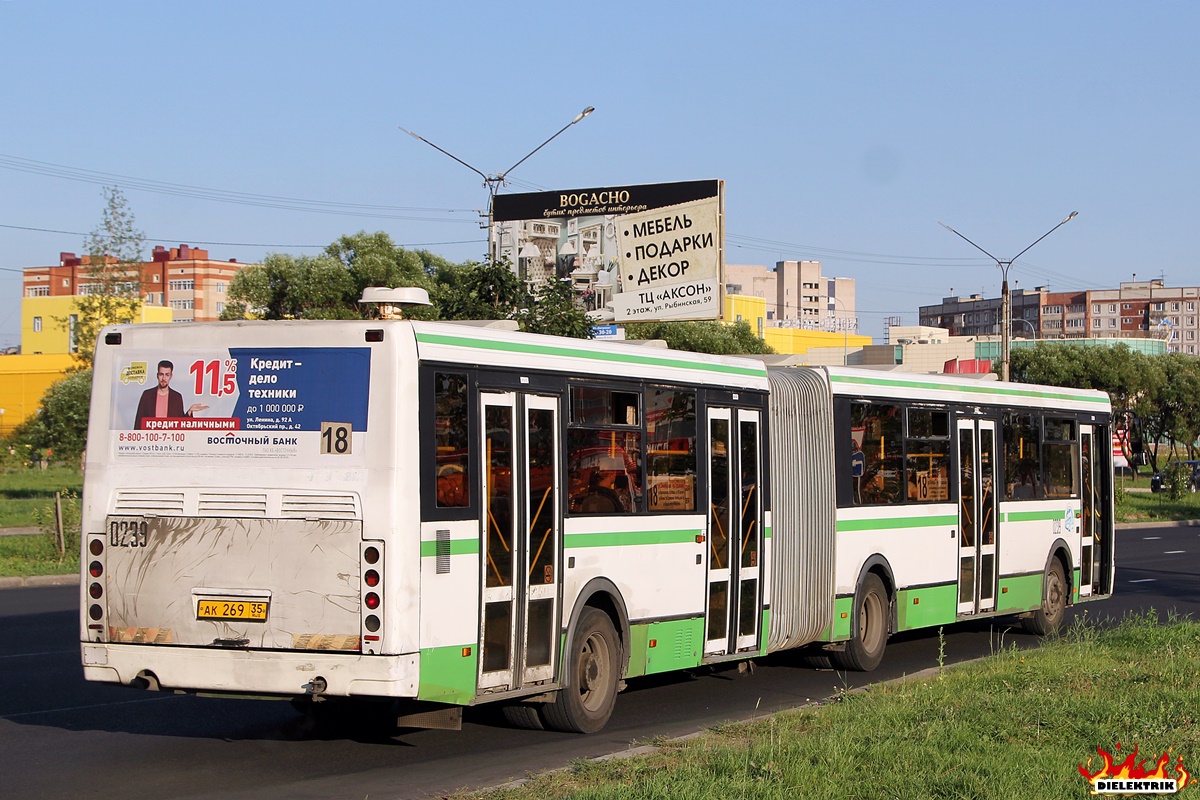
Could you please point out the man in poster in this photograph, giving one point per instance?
(162, 400)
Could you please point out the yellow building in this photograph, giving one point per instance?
(794, 341)
(23, 381)
(46, 323)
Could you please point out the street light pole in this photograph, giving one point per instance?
(494, 181)
(845, 330)
(1032, 328)
(1005, 296)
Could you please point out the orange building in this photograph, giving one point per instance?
(183, 279)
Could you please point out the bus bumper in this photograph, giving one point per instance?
(269, 673)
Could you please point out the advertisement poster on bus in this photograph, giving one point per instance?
(274, 403)
(634, 253)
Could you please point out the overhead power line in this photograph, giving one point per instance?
(18, 164)
(236, 244)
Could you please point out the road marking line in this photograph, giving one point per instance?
(1144, 580)
(84, 708)
(47, 653)
(1173, 552)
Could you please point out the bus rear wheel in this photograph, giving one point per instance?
(586, 703)
(1049, 615)
(524, 716)
(869, 633)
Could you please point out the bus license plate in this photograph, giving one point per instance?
(227, 608)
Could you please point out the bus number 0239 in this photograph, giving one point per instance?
(128, 533)
(336, 438)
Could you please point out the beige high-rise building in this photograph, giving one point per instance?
(797, 294)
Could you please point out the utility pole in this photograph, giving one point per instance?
(494, 181)
(1005, 296)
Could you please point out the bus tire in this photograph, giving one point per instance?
(869, 632)
(524, 716)
(585, 704)
(1049, 615)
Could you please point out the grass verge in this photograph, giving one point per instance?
(1157, 507)
(25, 491)
(26, 556)
(1018, 724)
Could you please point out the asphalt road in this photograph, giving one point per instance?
(61, 737)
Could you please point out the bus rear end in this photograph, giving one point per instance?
(229, 545)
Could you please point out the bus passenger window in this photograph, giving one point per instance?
(451, 440)
(670, 450)
(878, 450)
(1022, 456)
(604, 471)
(591, 405)
(1061, 458)
(928, 455)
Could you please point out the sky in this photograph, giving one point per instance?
(844, 131)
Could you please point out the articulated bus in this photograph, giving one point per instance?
(431, 515)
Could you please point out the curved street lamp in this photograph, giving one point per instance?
(845, 329)
(1005, 297)
(494, 181)
(1032, 328)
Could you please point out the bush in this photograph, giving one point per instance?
(1120, 498)
(1179, 479)
(71, 523)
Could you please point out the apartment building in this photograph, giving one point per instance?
(797, 295)
(1134, 310)
(180, 284)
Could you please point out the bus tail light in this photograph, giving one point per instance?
(372, 600)
(94, 601)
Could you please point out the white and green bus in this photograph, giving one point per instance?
(439, 515)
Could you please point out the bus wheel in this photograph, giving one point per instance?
(523, 715)
(1054, 602)
(869, 635)
(585, 705)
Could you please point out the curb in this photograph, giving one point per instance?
(636, 750)
(39, 580)
(1179, 523)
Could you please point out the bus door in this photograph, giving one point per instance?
(977, 517)
(1094, 540)
(522, 511)
(735, 512)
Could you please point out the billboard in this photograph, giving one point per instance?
(634, 253)
(297, 404)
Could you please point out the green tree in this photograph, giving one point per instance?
(491, 290)
(479, 291)
(1172, 414)
(719, 338)
(60, 425)
(329, 285)
(112, 292)
(373, 259)
(556, 311)
(1159, 391)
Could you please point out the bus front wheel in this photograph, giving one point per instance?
(1050, 613)
(586, 703)
(869, 630)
